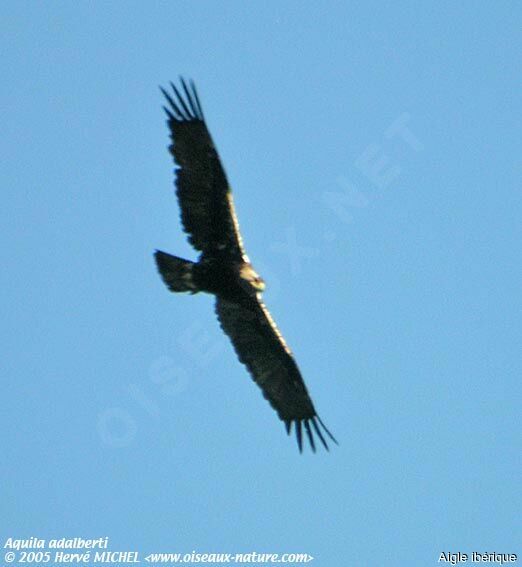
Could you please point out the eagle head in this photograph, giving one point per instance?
(251, 277)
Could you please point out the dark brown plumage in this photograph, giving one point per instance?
(223, 268)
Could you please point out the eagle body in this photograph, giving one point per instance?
(224, 270)
(215, 275)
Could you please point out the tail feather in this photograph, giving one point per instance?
(176, 272)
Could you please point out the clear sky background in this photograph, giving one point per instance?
(381, 143)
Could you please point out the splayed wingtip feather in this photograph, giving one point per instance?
(299, 435)
(181, 101)
(320, 435)
(173, 105)
(310, 435)
(327, 430)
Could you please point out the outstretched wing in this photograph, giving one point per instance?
(261, 347)
(207, 208)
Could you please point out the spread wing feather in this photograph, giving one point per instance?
(261, 347)
(207, 208)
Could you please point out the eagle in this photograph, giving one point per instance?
(224, 270)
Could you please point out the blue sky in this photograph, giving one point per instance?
(383, 140)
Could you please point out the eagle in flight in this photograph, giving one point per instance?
(224, 270)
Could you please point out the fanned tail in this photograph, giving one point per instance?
(176, 272)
